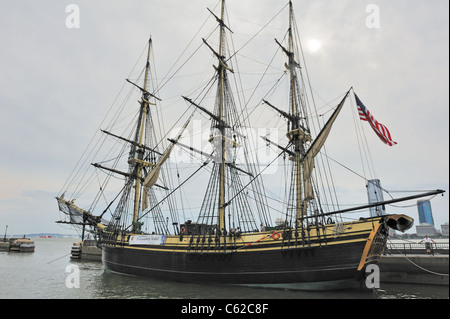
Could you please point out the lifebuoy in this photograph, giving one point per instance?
(183, 229)
(275, 235)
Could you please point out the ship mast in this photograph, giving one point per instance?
(305, 148)
(224, 180)
(297, 134)
(138, 162)
(298, 145)
(221, 71)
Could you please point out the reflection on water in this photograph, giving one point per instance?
(43, 274)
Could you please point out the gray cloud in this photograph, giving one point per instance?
(57, 83)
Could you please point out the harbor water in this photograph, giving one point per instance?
(49, 273)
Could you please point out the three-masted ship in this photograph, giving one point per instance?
(234, 240)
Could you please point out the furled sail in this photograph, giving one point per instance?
(314, 149)
(78, 215)
(152, 177)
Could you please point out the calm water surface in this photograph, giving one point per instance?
(43, 275)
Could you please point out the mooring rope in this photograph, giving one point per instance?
(431, 272)
(58, 258)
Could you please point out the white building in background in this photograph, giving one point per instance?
(444, 229)
(426, 229)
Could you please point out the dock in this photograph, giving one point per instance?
(17, 244)
(4, 245)
(408, 262)
(86, 250)
(415, 269)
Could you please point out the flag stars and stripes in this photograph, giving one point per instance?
(381, 130)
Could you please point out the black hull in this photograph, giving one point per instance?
(271, 267)
(330, 254)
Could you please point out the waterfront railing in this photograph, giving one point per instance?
(408, 248)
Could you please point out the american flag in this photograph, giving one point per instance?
(381, 130)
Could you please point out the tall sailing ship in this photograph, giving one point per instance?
(235, 239)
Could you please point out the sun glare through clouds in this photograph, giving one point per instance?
(314, 45)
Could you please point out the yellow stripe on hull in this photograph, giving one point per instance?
(330, 234)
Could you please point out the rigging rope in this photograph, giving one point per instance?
(420, 267)
(231, 199)
(149, 210)
(254, 36)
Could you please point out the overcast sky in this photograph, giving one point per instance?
(57, 82)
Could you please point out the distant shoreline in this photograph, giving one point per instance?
(44, 235)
